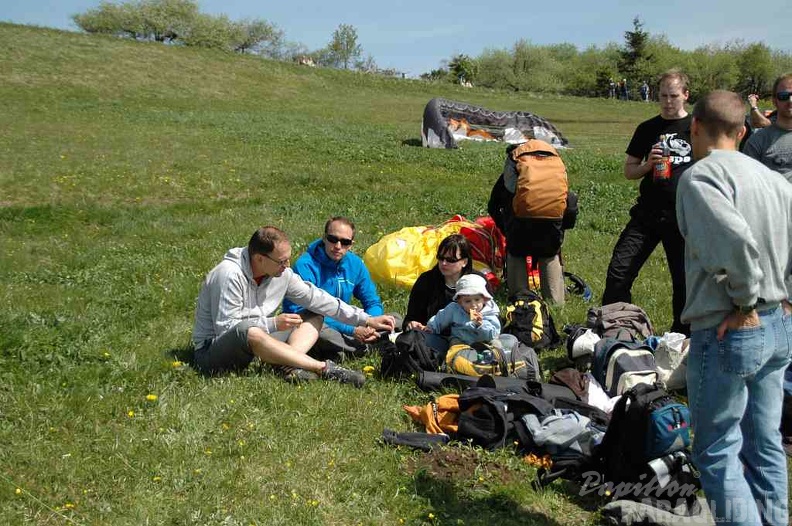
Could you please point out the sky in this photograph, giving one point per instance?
(415, 37)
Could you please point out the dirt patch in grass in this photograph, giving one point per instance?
(459, 464)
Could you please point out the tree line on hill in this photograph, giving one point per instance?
(180, 22)
(563, 69)
(556, 68)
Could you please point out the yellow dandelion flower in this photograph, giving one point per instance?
(208, 451)
(225, 426)
(272, 497)
(197, 471)
(401, 521)
(176, 364)
(105, 354)
(68, 506)
(152, 397)
(314, 503)
(368, 370)
(431, 516)
(131, 414)
(18, 491)
(481, 479)
(156, 478)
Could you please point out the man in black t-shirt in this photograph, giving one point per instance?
(653, 218)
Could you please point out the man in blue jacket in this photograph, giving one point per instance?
(329, 264)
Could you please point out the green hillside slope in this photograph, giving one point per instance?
(126, 171)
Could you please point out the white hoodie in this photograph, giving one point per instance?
(230, 294)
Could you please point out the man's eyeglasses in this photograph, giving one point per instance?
(283, 262)
(335, 239)
(783, 95)
(448, 259)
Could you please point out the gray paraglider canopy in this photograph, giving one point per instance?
(446, 121)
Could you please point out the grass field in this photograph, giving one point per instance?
(126, 171)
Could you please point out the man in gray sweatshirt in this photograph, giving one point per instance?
(736, 217)
(234, 319)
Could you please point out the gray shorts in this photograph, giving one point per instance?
(230, 351)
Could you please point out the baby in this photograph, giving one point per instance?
(472, 316)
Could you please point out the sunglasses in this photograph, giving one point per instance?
(449, 260)
(283, 262)
(783, 95)
(335, 239)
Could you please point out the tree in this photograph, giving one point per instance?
(496, 69)
(711, 68)
(367, 65)
(167, 20)
(634, 57)
(158, 20)
(756, 70)
(344, 48)
(214, 32)
(257, 36)
(463, 68)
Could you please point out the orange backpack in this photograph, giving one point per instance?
(541, 187)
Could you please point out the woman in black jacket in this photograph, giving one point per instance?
(435, 288)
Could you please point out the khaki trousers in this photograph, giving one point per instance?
(551, 277)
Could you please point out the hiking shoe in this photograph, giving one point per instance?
(340, 374)
(295, 375)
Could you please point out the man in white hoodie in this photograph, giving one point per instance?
(234, 319)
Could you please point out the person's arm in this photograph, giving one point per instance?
(757, 118)
(441, 321)
(636, 168)
(416, 316)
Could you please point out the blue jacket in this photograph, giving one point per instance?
(345, 279)
(455, 317)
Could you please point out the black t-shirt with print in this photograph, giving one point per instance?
(654, 197)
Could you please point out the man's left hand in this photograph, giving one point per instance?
(735, 321)
(382, 323)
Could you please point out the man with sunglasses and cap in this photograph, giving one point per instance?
(235, 319)
(772, 145)
(329, 264)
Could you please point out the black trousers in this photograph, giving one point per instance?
(636, 243)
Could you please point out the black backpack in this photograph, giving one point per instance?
(652, 426)
(409, 355)
(492, 418)
(528, 318)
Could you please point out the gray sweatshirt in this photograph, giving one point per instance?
(230, 294)
(736, 217)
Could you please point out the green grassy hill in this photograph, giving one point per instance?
(126, 171)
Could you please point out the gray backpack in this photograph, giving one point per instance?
(622, 321)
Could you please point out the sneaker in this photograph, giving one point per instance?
(295, 375)
(340, 374)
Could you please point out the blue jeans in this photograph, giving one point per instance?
(735, 393)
